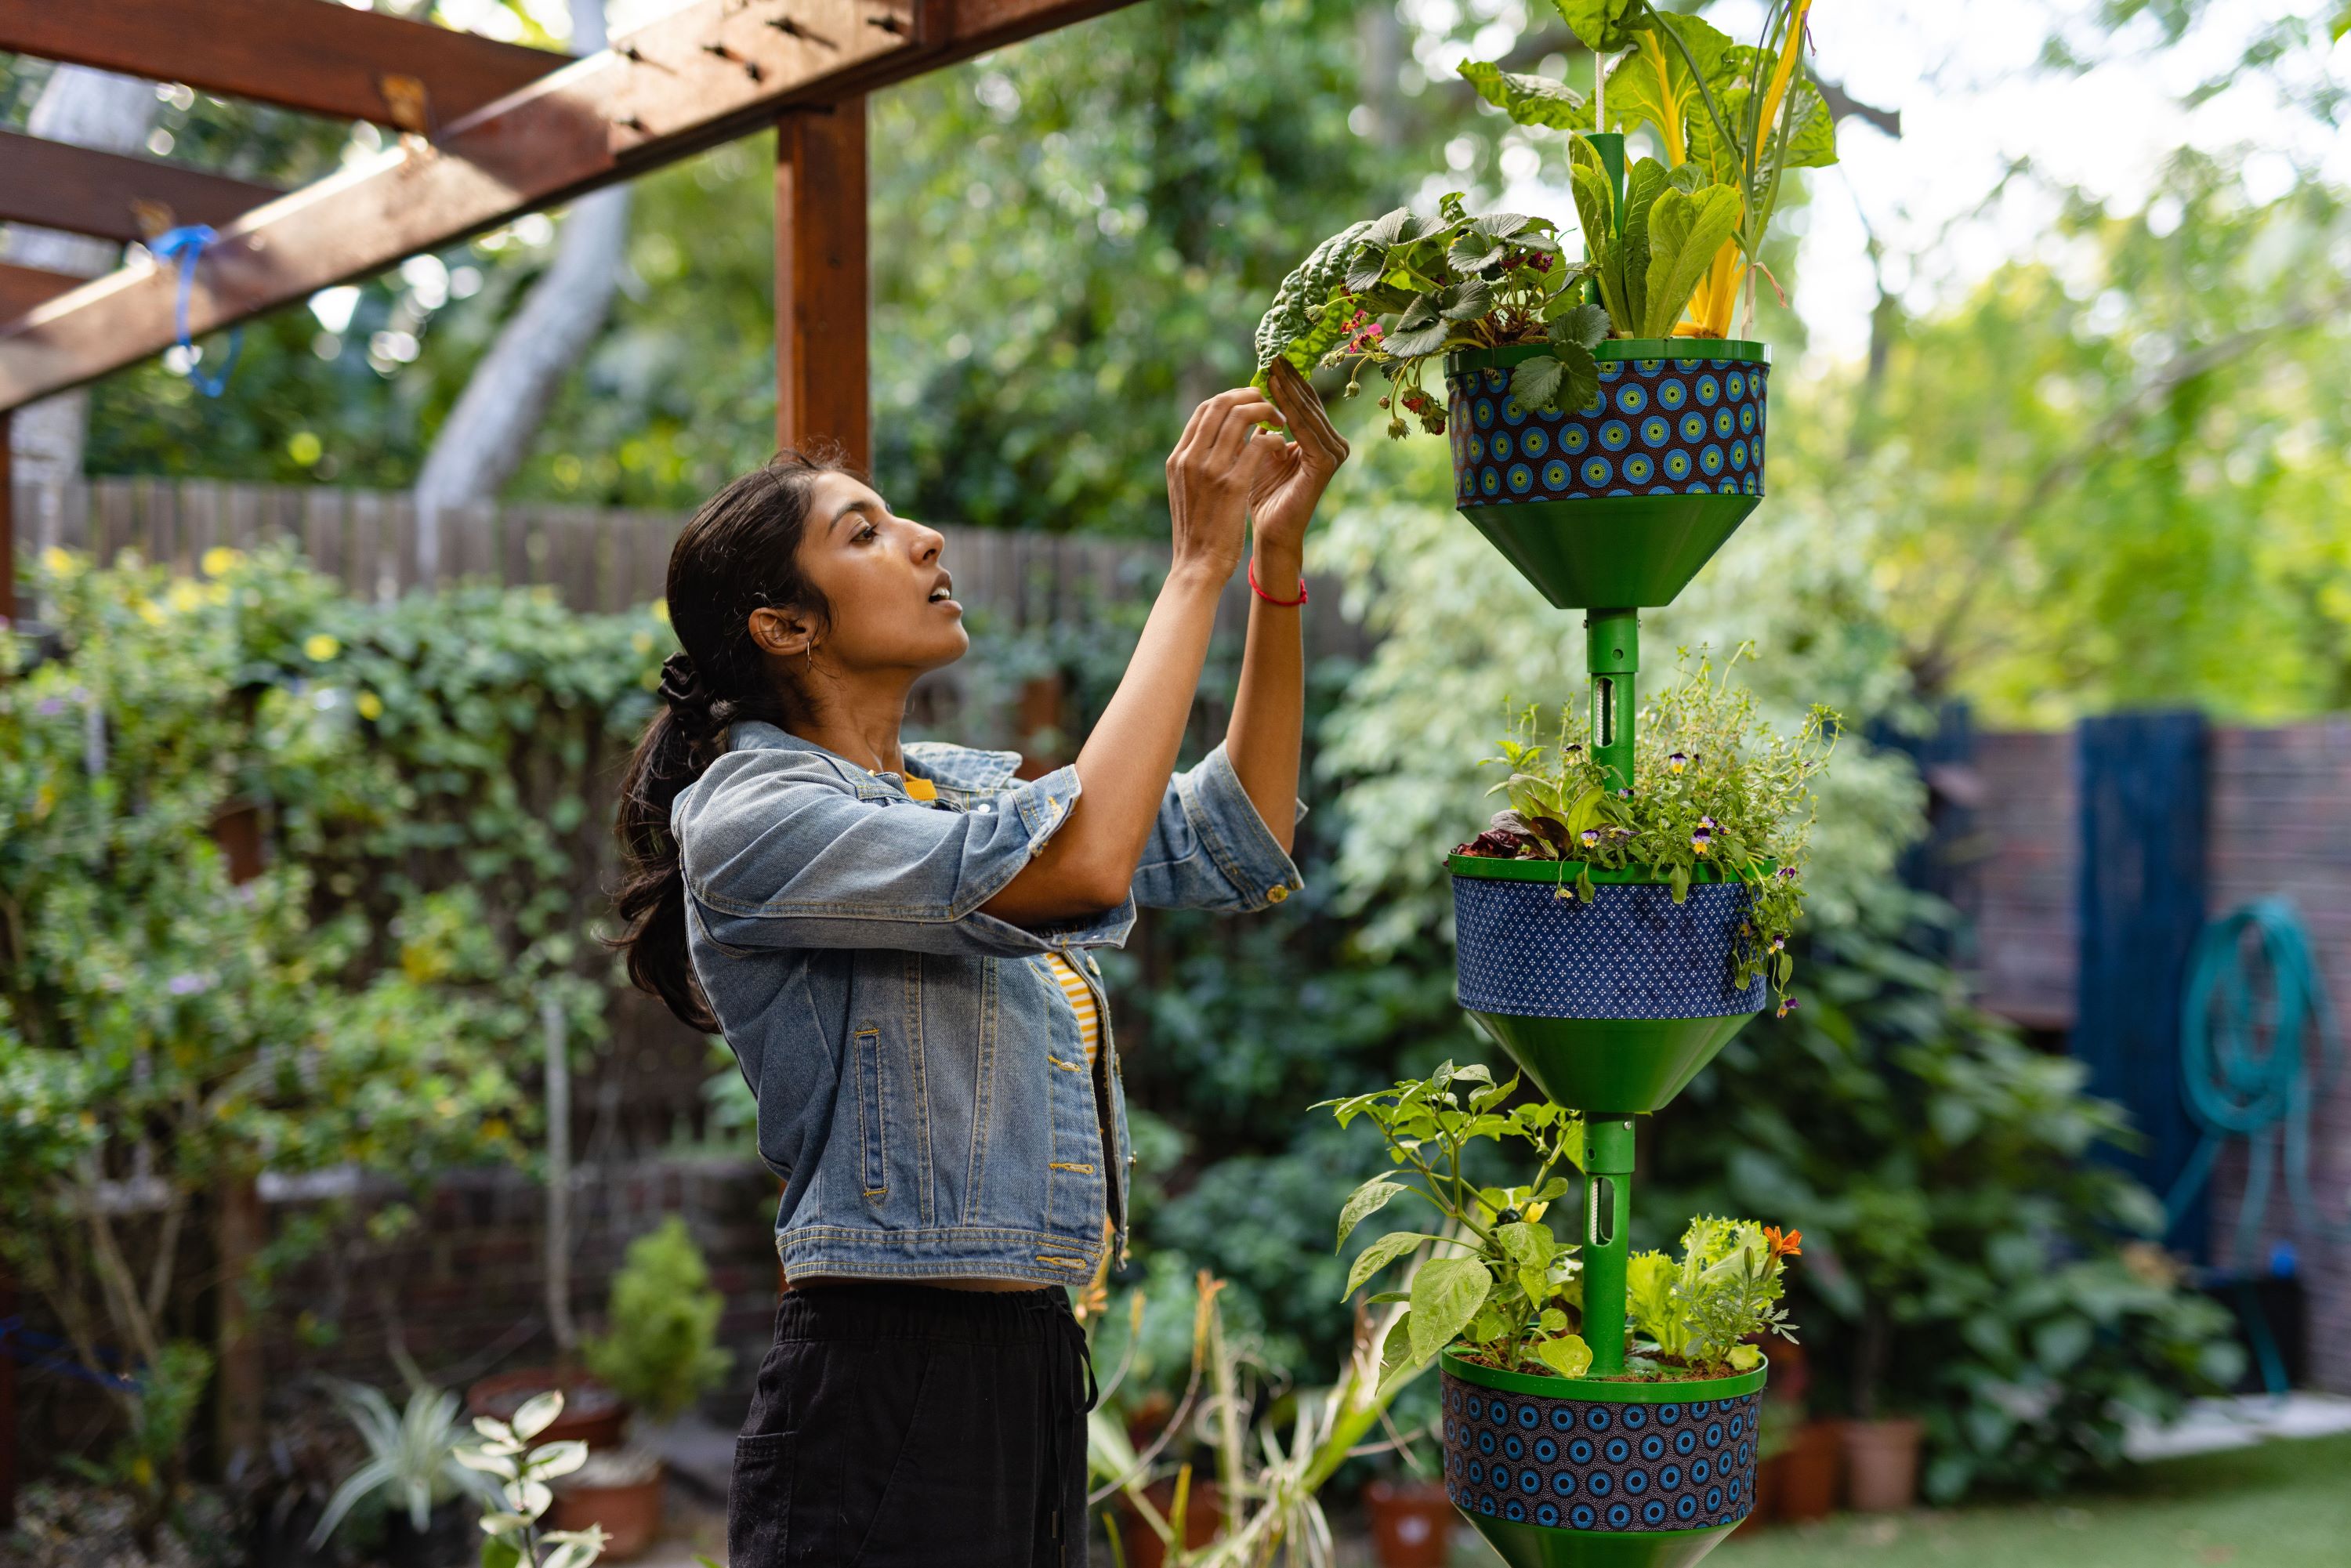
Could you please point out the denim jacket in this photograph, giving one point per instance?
(922, 1085)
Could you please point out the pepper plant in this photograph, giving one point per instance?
(1502, 1282)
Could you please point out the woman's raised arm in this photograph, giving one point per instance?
(1123, 769)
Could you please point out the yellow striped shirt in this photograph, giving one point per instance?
(1082, 1002)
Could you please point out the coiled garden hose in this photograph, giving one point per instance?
(2255, 1061)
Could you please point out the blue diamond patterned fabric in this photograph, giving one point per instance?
(1577, 1464)
(1633, 953)
(1656, 427)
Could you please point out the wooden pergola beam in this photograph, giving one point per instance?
(111, 195)
(310, 55)
(22, 287)
(706, 73)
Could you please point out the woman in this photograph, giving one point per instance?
(894, 939)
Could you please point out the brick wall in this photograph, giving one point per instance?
(464, 1288)
(2279, 823)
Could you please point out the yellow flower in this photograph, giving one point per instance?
(643, 641)
(150, 612)
(371, 705)
(320, 647)
(185, 596)
(60, 563)
(661, 610)
(220, 559)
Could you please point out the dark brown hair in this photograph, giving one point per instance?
(740, 552)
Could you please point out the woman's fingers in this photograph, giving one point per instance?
(1237, 422)
(1302, 407)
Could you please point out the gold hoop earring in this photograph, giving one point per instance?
(811, 658)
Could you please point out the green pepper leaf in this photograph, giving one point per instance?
(1365, 1201)
(1446, 1294)
(1568, 1355)
(1377, 1257)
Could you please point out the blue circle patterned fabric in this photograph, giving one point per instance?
(1633, 953)
(1656, 427)
(1574, 1464)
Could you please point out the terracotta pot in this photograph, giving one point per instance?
(592, 1412)
(631, 1514)
(1203, 1511)
(1768, 1474)
(1808, 1472)
(1881, 1464)
(1412, 1524)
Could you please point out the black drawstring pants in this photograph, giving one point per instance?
(903, 1425)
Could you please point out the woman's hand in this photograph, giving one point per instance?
(1212, 475)
(1289, 487)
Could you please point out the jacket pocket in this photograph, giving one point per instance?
(866, 1044)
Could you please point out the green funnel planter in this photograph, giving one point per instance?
(1612, 1006)
(1618, 502)
(1560, 1472)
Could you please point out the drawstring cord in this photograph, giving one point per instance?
(1066, 1355)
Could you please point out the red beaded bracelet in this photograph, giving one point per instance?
(1258, 589)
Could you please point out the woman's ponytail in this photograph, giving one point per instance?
(739, 553)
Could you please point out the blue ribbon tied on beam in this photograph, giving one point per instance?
(185, 246)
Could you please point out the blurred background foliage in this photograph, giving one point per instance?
(2109, 472)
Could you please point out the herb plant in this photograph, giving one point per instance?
(1697, 1312)
(661, 1352)
(1501, 1284)
(1718, 796)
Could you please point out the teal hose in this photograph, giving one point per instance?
(2254, 1065)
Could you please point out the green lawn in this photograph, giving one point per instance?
(2279, 1505)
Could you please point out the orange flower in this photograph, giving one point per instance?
(1787, 1246)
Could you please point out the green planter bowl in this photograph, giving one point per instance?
(1612, 1006)
(1615, 504)
(1559, 1472)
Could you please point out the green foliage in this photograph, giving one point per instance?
(1455, 281)
(149, 1461)
(1505, 1285)
(1731, 121)
(411, 1456)
(1725, 1289)
(354, 1002)
(660, 1352)
(519, 1473)
(1716, 793)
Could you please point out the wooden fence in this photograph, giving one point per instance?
(599, 559)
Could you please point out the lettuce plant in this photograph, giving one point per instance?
(1698, 1311)
(1719, 795)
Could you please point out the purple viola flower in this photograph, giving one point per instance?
(187, 985)
(1590, 836)
(1787, 1007)
(1701, 841)
(1779, 944)
(1677, 762)
(49, 707)
(1787, 873)
(1708, 823)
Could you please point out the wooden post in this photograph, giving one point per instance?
(240, 1227)
(822, 291)
(7, 532)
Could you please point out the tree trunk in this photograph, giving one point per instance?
(87, 108)
(240, 1227)
(489, 431)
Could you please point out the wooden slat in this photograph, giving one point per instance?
(660, 94)
(22, 287)
(8, 609)
(86, 191)
(309, 55)
(822, 385)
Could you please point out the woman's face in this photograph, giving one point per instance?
(893, 607)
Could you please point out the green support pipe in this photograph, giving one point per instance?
(1613, 650)
(1607, 1215)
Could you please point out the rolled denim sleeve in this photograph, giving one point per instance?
(1210, 850)
(777, 853)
